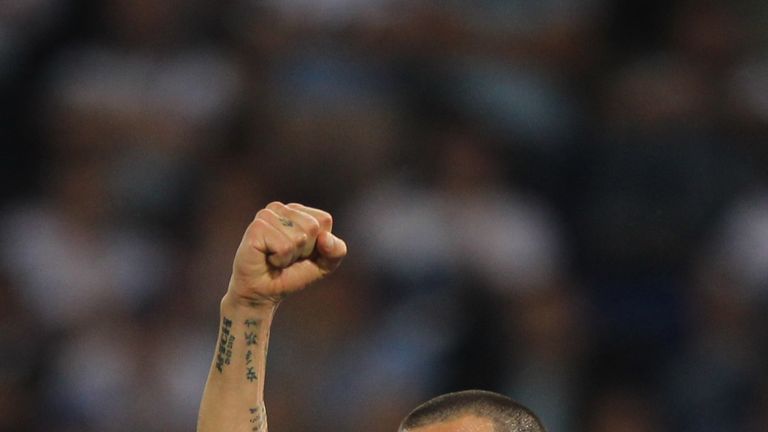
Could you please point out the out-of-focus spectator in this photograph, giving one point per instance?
(460, 235)
(567, 199)
(148, 100)
(67, 259)
(467, 220)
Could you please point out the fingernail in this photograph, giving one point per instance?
(331, 241)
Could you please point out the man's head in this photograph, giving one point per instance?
(471, 411)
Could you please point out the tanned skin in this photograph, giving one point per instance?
(468, 423)
(284, 249)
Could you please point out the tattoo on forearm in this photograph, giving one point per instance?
(258, 419)
(251, 338)
(253, 326)
(226, 341)
(253, 323)
(250, 374)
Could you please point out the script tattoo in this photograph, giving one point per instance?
(252, 323)
(251, 338)
(250, 374)
(258, 419)
(226, 341)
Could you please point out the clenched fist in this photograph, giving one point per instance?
(285, 248)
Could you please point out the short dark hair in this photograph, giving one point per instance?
(506, 414)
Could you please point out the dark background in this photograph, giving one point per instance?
(561, 200)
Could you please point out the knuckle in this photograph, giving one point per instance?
(258, 224)
(313, 227)
(300, 239)
(283, 248)
(325, 218)
(251, 240)
(263, 213)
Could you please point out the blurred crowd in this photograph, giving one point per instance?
(565, 201)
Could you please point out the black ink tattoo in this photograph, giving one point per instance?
(252, 323)
(226, 341)
(250, 374)
(251, 338)
(286, 222)
(258, 419)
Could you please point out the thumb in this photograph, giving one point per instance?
(331, 250)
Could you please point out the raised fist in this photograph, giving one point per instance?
(285, 248)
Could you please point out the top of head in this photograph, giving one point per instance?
(471, 411)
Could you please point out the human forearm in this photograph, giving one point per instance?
(285, 248)
(233, 400)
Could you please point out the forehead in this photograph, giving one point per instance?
(461, 424)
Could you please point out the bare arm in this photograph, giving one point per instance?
(283, 249)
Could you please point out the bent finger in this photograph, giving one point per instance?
(331, 250)
(304, 222)
(323, 217)
(286, 227)
(277, 248)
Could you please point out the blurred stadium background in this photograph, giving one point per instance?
(562, 200)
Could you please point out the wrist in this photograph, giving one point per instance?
(235, 301)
